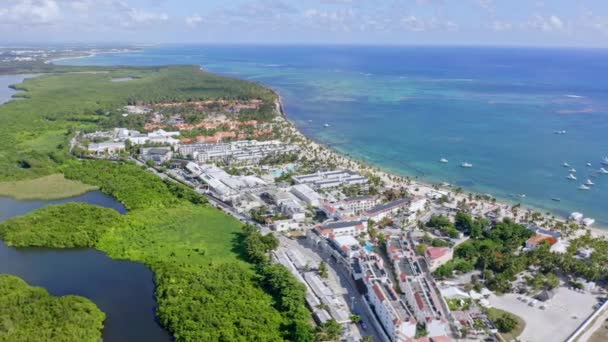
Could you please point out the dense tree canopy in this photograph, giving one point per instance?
(78, 225)
(29, 314)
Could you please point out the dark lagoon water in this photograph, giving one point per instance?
(5, 81)
(404, 108)
(124, 290)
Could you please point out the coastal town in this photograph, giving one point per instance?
(383, 257)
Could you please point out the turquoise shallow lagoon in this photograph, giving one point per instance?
(404, 108)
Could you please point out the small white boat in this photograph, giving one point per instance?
(589, 182)
(571, 177)
(443, 160)
(605, 161)
(326, 125)
(583, 187)
(565, 164)
(604, 171)
(466, 165)
(589, 164)
(572, 170)
(560, 132)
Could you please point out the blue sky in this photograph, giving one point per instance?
(468, 22)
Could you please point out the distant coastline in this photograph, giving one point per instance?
(598, 228)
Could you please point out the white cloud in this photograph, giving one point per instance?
(556, 22)
(194, 20)
(136, 17)
(31, 12)
(499, 25)
(551, 23)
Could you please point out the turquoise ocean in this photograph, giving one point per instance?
(405, 108)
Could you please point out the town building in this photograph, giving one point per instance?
(358, 204)
(437, 256)
(331, 179)
(340, 228)
(347, 245)
(285, 225)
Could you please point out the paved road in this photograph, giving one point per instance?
(354, 297)
(597, 324)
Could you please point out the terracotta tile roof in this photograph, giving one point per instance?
(436, 252)
(539, 238)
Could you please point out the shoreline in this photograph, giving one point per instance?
(393, 180)
(389, 177)
(89, 55)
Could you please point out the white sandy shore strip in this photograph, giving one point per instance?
(396, 181)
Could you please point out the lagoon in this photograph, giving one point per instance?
(124, 290)
(6, 93)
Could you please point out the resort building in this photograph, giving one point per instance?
(538, 239)
(331, 179)
(340, 228)
(158, 155)
(106, 148)
(437, 256)
(306, 194)
(406, 205)
(224, 186)
(245, 151)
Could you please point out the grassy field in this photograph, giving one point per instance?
(49, 187)
(494, 313)
(29, 313)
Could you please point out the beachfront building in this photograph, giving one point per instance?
(437, 256)
(331, 179)
(341, 228)
(306, 194)
(244, 151)
(405, 205)
(538, 239)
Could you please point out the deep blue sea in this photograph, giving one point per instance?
(404, 108)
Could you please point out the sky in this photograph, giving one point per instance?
(401, 22)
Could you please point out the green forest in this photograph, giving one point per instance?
(208, 289)
(36, 141)
(29, 313)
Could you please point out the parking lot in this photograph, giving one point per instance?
(560, 317)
